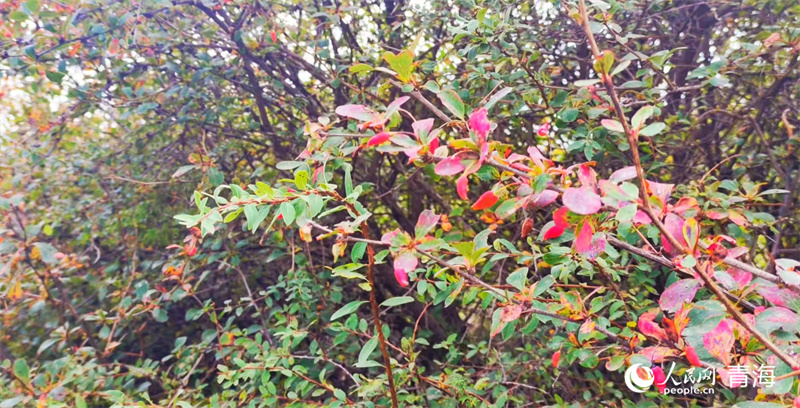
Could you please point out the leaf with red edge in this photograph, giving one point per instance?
(449, 166)
(681, 291)
(427, 220)
(685, 204)
(719, 341)
(511, 313)
(378, 139)
(582, 201)
(359, 112)
(612, 125)
(775, 294)
(389, 236)
(691, 233)
(623, 174)
(660, 190)
(658, 354)
(583, 241)
(422, 128)
(587, 176)
(716, 215)
(776, 318)
(738, 218)
(462, 186)
(485, 201)
(543, 199)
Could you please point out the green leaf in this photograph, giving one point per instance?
(397, 301)
(569, 115)
(80, 402)
(402, 63)
(215, 177)
(452, 102)
(653, 129)
(507, 208)
(288, 212)
(11, 402)
(48, 252)
(641, 116)
(517, 278)
(358, 251)
(347, 309)
(497, 97)
(18, 16)
(33, 5)
(301, 179)
(22, 371)
(360, 68)
(57, 77)
(368, 348)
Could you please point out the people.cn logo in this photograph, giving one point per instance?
(639, 378)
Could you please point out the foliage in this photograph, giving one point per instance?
(445, 204)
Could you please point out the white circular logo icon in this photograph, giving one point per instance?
(639, 378)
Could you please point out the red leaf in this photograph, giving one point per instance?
(641, 217)
(649, 328)
(554, 232)
(273, 37)
(380, 138)
(719, 341)
(659, 379)
(681, 291)
(583, 241)
(691, 355)
(401, 276)
(479, 123)
(557, 357)
(560, 217)
(449, 166)
(582, 201)
(485, 201)
(461, 187)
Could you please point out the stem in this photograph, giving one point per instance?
(376, 314)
